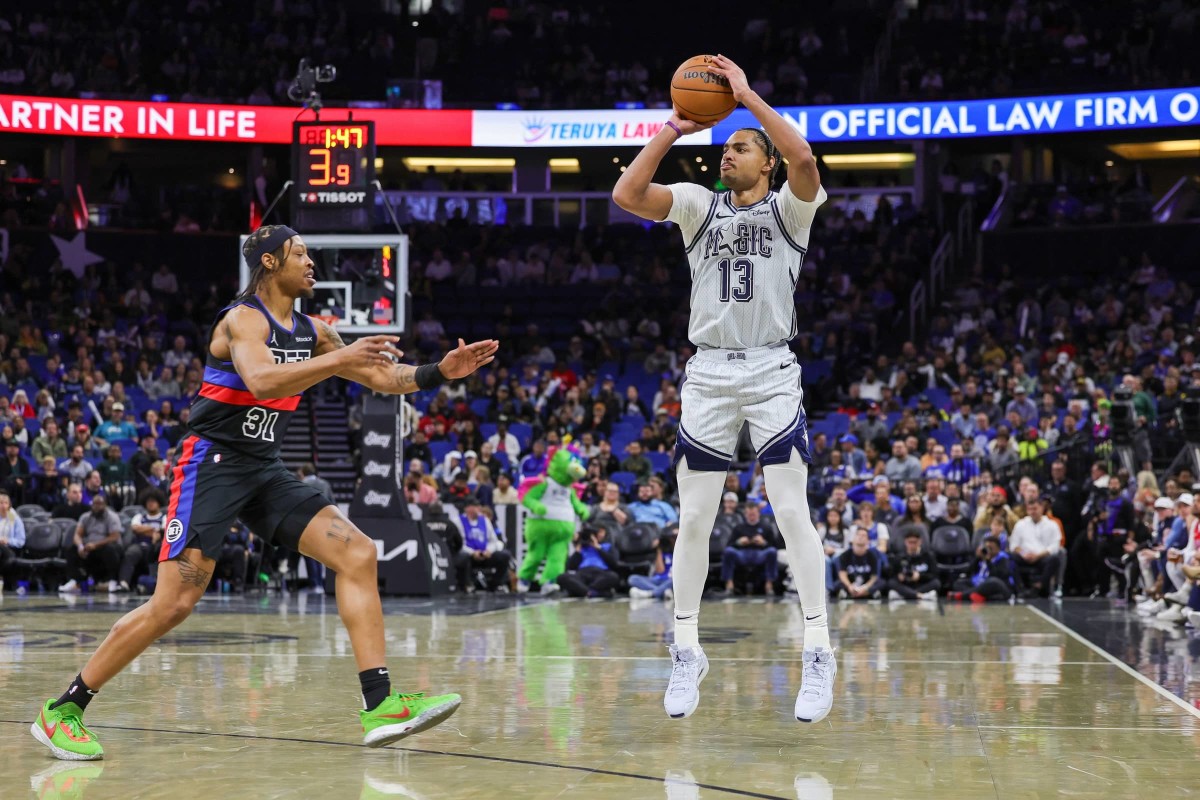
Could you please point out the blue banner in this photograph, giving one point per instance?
(1074, 113)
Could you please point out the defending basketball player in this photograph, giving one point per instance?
(261, 358)
(745, 246)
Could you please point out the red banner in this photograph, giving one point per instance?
(57, 116)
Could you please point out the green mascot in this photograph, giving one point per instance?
(553, 505)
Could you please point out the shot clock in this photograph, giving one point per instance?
(333, 169)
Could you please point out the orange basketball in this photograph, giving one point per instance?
(700, 95)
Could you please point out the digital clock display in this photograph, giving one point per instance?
(334, 156)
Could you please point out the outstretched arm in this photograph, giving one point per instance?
(803, 178)
(390, 378)
(635, 191)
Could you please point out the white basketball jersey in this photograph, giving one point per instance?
(745, 263)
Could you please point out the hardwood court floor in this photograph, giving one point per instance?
(256, 698)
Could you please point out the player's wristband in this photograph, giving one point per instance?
(429, 377)
(674, 127)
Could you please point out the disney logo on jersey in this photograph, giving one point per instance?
(290, 356)
(739, 239)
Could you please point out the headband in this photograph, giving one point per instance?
(270, 244)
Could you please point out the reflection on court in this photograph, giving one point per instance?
(257, 698)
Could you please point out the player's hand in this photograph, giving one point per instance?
(371, 351)
(466, 358)
(688, 126)
(733, 73)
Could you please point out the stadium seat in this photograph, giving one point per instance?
(951, 547)
(659, 462)
(42, 552)
(635, 546)
(479, 406)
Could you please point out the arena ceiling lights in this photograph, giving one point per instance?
(869, 160)
(1174, 148)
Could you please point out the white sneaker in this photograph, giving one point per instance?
(1181, 596)
(1152, 608)
(930, 596)
(1192, 617)
(816, 689)
(1058, 595)
(522, 587)
(689, 665)
(894, 595)
(668, 594)
(113, 587)
(640, 593)
(549, 588)
(1172, 614)
(70, 587)
(317, 589)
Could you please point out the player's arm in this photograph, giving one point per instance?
(391, 378)
(802, 176)
(635, 190)
(244, 331)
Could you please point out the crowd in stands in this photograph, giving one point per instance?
(1033, 46)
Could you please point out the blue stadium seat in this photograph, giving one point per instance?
(479, 407)
(487, 430)
(128, 448)
(524, 433)
(659, 462)
(944, 436)
(626, 480)
(438, 451)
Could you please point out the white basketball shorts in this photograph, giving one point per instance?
(723, 389)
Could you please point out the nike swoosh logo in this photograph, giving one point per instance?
(383, 672)
(810, 619)
(396, 716)
(46, 729)
(784, 366)
(724, 216)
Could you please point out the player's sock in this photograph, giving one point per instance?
(689, 568)
(77, 693)
(376, 686)
(787, 485)
(687, 628)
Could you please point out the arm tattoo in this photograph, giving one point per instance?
(191, 574)
(405, 379)
(337, 530)
(331, 334)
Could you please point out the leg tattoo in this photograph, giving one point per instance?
(337, 530)
(190, 573)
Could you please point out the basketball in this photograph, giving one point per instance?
(700, 95)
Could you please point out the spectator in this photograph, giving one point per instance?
(141, 556)
(753, 546)
(935, 502)
(729, 515)
(504, 494)
(859, 569)
(177, 356)
(902, 466)
(114, 472)
(93, 487)
(48, 485)
(482, 550)
(915, 573)
(658, 583)
(238, 560)
(15, 477)
(12, 535)
(610, 513)
(73, 506)
(834, 539)
(648, 509)
(952, 516)
(116, 428)
(1036, 546)
(308, 474)
(141, 462)
(504, 442)
(592, 568)
(635, 462)
(991, 576)
(1023, 406)
(97, 550)
(49, 443)
(534, 464)
(879, 534)
(996, 507)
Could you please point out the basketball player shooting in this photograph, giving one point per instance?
(261, 358)
(745, 247)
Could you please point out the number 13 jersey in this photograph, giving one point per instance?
(745, 263)
(225, 411)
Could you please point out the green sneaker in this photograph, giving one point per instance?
(401, 715)
(61, 729)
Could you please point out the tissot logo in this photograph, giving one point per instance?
(377, 499)
(373, 439)
(374, 468)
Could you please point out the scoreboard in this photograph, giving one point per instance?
(333, 169)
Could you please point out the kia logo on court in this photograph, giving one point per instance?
(377, 499)
(373, 439)
(374, 468)
(408, 549)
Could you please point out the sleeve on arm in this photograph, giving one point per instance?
(798, 214)
(690, 204)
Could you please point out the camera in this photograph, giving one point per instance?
(304, 86)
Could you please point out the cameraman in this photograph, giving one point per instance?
(915, 575)
(992, 575)
(1110, 530)
(592, 568)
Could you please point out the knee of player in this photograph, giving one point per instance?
(175, 610)
(361, 555)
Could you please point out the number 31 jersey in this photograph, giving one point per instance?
(226, 412)
(745, 263)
